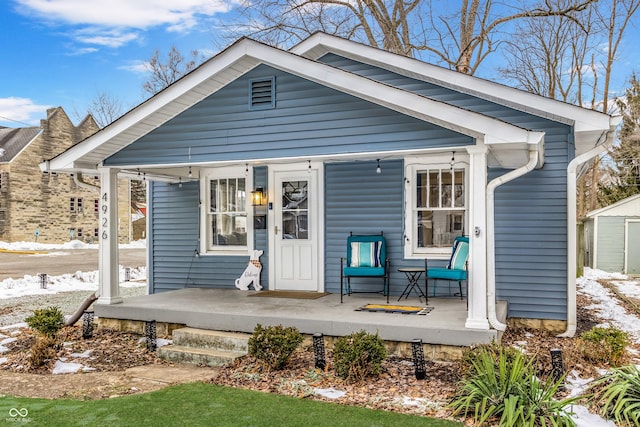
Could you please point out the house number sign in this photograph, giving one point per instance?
(105, 219)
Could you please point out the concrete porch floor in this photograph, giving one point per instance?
(234, 310)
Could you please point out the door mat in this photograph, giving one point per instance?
(289, 294)
(403, 309)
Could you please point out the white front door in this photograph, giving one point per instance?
(294, 231)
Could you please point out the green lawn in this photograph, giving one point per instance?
(198, 404)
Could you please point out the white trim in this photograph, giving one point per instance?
(245, 55)
(595, 242)
(225, 172)
(412, 164)
(477, 307)
(614, 206)
(299, 167)
(585, 121)
(603, 143)
(108, 272)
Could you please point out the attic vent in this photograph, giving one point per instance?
(262, 93)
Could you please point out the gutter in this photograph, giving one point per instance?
(534, 160)
(80, 183)
(572, 188)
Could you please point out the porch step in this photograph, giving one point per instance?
(217, 340)
(205, 347)
(198, 356)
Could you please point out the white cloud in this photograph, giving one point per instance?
(140, 67)
(142, 14)
(109, 38)
(16, 112)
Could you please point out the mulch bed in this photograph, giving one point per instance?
(109, 351)
(396, 389)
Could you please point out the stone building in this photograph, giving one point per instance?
(48, 207)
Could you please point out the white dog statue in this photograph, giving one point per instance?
(251, 274)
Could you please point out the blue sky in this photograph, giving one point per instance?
(66, 52)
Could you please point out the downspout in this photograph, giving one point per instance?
(491, 245)
(572, 188)
(80, 183)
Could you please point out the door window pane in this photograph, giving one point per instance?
(295, 212)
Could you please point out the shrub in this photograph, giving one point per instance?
(47, 321)
(503, 388)
(358, 356)
(43, 350)
(274, 345)
(618, 395)
(604, 345)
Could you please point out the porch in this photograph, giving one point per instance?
(233, 310)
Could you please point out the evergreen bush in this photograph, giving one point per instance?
(47, 321)
(604, 345)
(358, 356)
(273, 345)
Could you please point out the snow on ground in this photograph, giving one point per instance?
(606, 303)
(78, 281)
(73, 244)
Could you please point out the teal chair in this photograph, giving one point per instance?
(456, 269)
(366, 258)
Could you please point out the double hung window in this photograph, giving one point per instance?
(436, 207)
(226, 217)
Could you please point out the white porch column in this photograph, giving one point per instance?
(108, 230)
(477, 276)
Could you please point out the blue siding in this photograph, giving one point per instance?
(531, 212)
(531, 247)
(360, 201)
(175, 234)
(309, 119)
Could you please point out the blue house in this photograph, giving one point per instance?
(340, 137)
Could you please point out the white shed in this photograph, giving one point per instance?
(612, 237)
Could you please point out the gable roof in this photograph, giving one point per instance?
(14, 140)
(588, 125)
(509, 144)
(625, 207)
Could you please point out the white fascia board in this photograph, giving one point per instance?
(583, 120)
(616, 205)
(247, 54)
(440, 113)
(140, 120)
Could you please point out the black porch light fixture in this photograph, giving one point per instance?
(258, 197)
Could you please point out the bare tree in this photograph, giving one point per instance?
(104, 108)
(614, 17)
(460, 37)
(162, 74)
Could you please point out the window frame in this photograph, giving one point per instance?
(227, 172)
(413, 165)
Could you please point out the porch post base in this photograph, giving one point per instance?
(109, 300)
(477, 324)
